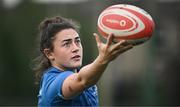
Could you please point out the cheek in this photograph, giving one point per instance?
(62, 59)
(61, 55)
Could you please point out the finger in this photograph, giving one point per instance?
(125, 43)
(116, 53)
(118, 45)
(98, 41)
(126, 48)
(110, 39)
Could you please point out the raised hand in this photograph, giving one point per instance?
(109, 51)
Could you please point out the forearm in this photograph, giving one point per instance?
(86, 77)
(91, 73)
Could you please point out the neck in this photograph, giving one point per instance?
(65, 69)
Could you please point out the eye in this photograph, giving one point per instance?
(66, 44)
(78, 41)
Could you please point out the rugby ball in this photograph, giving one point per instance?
(126, 22)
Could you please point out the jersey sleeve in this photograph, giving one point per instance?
(55, 89)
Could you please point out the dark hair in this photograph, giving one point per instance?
(47, 31)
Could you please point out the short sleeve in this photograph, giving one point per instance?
(55, 88)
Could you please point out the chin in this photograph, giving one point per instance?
(76, 66)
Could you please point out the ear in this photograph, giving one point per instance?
(49, 54)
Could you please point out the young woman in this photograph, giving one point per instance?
(62, 83)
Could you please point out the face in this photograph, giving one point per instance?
(67, 51)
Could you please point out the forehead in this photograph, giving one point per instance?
(66, 34)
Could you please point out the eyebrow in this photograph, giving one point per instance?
(66, 40)
(77, 37)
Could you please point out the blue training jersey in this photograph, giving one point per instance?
(50, 93)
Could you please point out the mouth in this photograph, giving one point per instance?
(76, 57)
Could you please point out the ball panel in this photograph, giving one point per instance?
(133, 41)
(135, 8)
(117, 22)
(147, 31)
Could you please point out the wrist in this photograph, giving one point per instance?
(101, 60)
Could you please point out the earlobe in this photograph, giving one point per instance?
(49, 54)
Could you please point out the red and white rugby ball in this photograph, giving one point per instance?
(126, 22)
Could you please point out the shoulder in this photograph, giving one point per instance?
(53, 78)
(52, 81)
(54, 73)
(50, 74)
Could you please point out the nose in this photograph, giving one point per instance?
(75, 47)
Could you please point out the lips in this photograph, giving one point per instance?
(76, 57)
